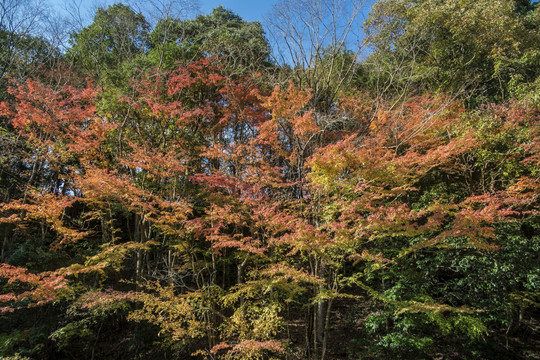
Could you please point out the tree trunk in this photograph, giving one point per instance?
(326, 330)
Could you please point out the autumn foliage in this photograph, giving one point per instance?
(229, 220)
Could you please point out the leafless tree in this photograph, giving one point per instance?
(21, 16)
(321, 40)
(19, 19)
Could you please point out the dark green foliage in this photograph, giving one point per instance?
(222, 34)
(116, 36)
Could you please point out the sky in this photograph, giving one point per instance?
(250, 10)
(83, 11)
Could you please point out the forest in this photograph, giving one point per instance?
(346, 179)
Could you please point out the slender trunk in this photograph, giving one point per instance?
(223, 269)
(136, 228)
(386, 322)
(308, 331)
(314, 334)
(138, 266)
(31, 180)
(138, 234)
(106, 235)
(287, 325)
(194, 271)
(213, 274)
(4, 243)
(326, 329)
(43, 231)
(320, 320)
(240, 271)
(320, 323)
(169, 264)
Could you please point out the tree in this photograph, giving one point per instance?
(320, 40)
(392, 196)
(28, 46)
(241, 45)
(116, 37)
(480, 49)
(192, 211)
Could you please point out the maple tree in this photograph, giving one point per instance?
(197, 212)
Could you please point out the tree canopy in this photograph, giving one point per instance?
(482, 49)
(170, 190)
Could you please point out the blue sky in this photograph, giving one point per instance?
(250, 10)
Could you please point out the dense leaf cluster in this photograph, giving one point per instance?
(169, 191)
